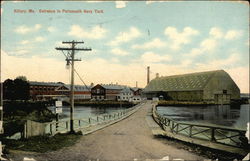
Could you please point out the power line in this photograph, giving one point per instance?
(78, 74)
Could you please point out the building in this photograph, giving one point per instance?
(211, 87)
(81, 93)
(126, 94)
(106, 91)
(43, 90)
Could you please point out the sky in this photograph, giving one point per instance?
(125, 37)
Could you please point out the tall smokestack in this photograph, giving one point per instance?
(148, 71)
(157, 75)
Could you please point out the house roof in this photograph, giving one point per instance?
(45, 83)
(126, 90)
(113, 86)
(76, 87)
(184, 82)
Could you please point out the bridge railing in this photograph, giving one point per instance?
(64, 125)
(217, 134)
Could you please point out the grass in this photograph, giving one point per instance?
(42, 144)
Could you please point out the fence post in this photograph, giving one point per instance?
(89, 120)
(67, 125)
(190, 130)
(51, 130)
(212, 135)
(172, 128)
(97, 119)
(79, 123)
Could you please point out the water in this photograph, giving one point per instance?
(81, 112)
(225, 115)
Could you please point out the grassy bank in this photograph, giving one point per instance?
(42, 144)
(104, 103)
(17, 112)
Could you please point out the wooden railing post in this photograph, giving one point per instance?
(67, 125)
(51, 130)
(190, 130)
(89, 120)
(79, 123)
(212, 135)
(97, 119)
(172, 128)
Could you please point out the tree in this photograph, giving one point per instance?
(8, 89)
(21, 89)
(24, 78)
(16, 90)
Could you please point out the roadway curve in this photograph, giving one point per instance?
(128, 139)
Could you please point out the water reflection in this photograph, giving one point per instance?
(232, 116)
(88, 111)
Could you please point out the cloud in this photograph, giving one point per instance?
(115, 60)
(232, 34)
(123, 37)
(118, 51)
(120, 4)
(39, 39)
(23, 42)
(155, 43)
(186, 63)
(220, 63)
(51, 29)
(179, 38)
(150, 2)
(150, 57)
(208, 44)
(96, 32)
(24, 29)
(216, 33)
(19, 52)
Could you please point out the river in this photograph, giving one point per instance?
(81, 112)
(226, 115)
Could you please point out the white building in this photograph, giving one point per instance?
(125, 95)
(135, 99)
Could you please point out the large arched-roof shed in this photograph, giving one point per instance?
(211, 86)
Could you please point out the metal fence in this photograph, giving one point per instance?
(217, 134)
(64, 126)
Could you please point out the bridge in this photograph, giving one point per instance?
(129, 136)
(128, 139)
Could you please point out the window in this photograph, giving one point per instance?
(98, 91)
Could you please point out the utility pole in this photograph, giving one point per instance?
(70, 59)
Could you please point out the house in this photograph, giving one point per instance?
(126, 94)
(106, 91)
(211, 87)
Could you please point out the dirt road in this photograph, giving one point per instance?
(128, 139)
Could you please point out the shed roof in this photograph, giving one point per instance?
(184, 82)
(113, 86)
(76, 87)
(45, 83)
